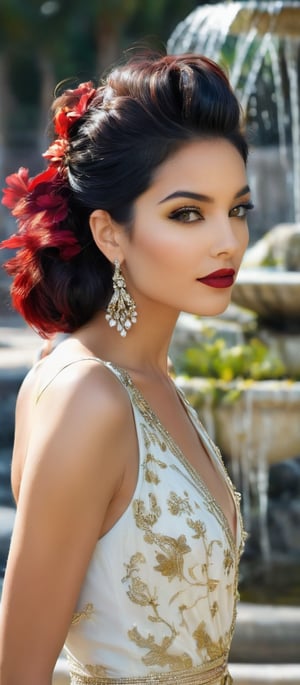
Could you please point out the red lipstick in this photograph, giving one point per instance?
(223, 278)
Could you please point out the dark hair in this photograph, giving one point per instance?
(145, 111)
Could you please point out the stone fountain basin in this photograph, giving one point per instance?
(261, 421)
(271, 293)
(279, 18)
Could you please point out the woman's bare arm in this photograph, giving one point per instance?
(74, 467)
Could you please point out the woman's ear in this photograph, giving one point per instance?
(106, 233)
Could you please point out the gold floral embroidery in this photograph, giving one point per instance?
(143, 519)
(158, 653)
(133, 566)
(198, 527)
(228, 561)
(152, 419)
(215, 450)
(172, 550)
(171, 564)
(96, 670)
(139, 593)
(214, 609)
(196, 583)
(150, 436)
(179, 505)
(191, 475)
(150, 475)
(85, 613)
(213, 650)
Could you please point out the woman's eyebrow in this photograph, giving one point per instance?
(187, 193)
(200, 196)
(243, 191)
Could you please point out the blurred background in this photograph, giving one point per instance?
(241, 371)
(42, 43)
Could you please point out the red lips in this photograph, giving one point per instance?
(223, 278)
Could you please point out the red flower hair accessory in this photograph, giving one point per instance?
(39, 204)
(79, 100)
(57, 151)
(26, 196)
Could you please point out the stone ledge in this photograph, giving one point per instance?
(268, 634)
(262, 420)
(19, 346)
(265, 674)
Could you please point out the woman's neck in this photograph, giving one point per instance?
(144, 350)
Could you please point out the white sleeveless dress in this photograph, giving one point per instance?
(158, 603)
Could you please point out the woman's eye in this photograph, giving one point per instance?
(187, 215)
(241, 211)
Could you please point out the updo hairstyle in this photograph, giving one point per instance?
(144, 112)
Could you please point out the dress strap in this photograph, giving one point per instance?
(65, 366)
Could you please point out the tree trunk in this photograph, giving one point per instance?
(7, 105)
(108, 42)
(46, 97)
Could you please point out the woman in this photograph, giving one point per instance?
(128, 531)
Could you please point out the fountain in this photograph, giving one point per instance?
(259, 45)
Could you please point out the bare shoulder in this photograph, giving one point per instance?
(80, 380)
(80, 400)
(83, 386)
(72, 414)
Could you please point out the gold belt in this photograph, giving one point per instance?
(208, 674)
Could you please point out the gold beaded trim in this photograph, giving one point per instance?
(202, 675)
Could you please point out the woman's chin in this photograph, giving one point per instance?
(214, 310)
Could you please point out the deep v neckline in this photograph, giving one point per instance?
(208, 445)
(236, 539)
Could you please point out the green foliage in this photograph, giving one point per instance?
(252, 360)
(270, 261)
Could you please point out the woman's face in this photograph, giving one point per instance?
(190, 230)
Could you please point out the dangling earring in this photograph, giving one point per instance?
(121, 311)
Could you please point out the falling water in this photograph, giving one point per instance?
(292, 68)
(259, 42)
(250, 467)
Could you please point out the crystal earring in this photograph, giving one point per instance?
(121, 311)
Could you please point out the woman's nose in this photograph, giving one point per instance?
(226, 238)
